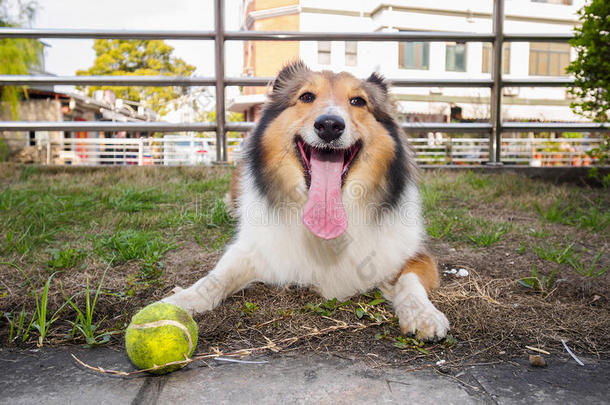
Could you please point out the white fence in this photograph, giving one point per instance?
(175, 151)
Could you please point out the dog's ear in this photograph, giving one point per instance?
(288, 73)
(378, 80)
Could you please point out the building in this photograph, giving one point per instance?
(425, 60)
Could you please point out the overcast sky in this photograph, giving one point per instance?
(65, 56)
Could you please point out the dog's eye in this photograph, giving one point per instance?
(307, 97)
(357, 101)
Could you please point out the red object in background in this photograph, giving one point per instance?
(81, 148)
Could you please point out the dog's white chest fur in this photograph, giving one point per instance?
(370, 253)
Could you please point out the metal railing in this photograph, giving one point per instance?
(494, 128)
(184, 150)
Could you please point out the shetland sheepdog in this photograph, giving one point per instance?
(327, 197)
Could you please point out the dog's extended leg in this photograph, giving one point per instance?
(409, 295)
(233, 272)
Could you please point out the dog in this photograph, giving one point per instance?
(327, 197)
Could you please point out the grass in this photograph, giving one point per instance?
(84, 317)
(99, 244)
(489, 235)
(592, 269)
(555, 253)
(63, 259)
(539, 282)
(145, 247)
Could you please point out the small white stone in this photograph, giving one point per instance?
(440, 362)
(462, 273)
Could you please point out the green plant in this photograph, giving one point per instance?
(539, 282)
(41, 321)
(84, 318)
(439, 226)
(17, 55)
(588, 270)
(555, 213)
(17, 327)
(538, 233)
(591, 68)
(325, 308)
(132, 200)
(476, 181)
(248, 308)
(489, 236)
(405, 342)
(555, 253)
(63, 259)
(522, 248)
(139, 57)
(130, 244)
(219, 216)
(449, 341)
(594, 218)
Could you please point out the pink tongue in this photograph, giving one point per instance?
(324, 214)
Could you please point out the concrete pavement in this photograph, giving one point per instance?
(52, 376)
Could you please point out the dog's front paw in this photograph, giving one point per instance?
(189, 300)
(422, 320)
(177, 289)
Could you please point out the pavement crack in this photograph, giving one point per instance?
(150, 391)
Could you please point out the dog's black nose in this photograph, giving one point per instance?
(329, 127)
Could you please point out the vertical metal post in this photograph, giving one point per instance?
(495, 137)
(219, 55)
(140, 151)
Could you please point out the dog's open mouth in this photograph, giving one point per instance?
(325, 171)
(348, 155)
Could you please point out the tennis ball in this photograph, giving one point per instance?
(158, 334)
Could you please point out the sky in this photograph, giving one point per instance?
(66, 56)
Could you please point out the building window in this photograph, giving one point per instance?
(488, 58)
(455, 59)
(414, 55)
(324, 52)
(549, 59)
(564, 2)
(351, 53)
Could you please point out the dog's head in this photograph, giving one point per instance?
(325, 137)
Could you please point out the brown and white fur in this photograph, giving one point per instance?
(383, 244)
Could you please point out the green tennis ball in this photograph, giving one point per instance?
(158, 334)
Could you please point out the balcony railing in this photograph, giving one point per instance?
(495, 152)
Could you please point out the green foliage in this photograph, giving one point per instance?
(219, 216)
(555, 253)
(489, 236)
(17, 326)
(17, 55)
(555, 213)
(405, 342)
(84, 318)
(133, 200)
(591, 269)
(63, 259)
(538, 282)
(248, 308)
(126, 57)
(325, 308)
(131, 244)
(591, 68)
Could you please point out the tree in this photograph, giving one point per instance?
(139, 58)
(17, 55)
(591, 68)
